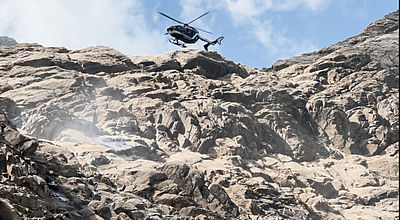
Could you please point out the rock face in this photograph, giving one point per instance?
(88, 134)
(7, 41)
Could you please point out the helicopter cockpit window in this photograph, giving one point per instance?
(179, 28)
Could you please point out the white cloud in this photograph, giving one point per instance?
(241, 9)
(275, 40)
(251, 17)
(316, 5)
(248, 8)
(120, 24)
(124, 25)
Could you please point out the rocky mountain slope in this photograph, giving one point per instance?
(86, 134)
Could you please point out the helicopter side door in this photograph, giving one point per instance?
(191, 34)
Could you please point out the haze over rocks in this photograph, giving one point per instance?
(87, 133)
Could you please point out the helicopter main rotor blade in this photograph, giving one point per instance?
(180, 22)
(204, 31)
(198, 17)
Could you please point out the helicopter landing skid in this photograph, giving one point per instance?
(176, 42)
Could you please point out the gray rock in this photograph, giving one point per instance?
(7, 41)
(7, 211)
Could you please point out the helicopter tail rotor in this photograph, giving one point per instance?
(216, 41)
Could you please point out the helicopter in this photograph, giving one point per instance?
(185, 33)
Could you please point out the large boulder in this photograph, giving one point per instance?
(205, 63)
(9, 107)
(101, 59)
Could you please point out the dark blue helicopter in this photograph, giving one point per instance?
(188, 34)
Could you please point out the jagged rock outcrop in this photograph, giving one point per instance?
(89, 133)
(7, 41)
(354, 78)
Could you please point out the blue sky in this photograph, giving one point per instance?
(257, 32)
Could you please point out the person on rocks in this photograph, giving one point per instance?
(2, 138)
(173, 146)
(2, 126)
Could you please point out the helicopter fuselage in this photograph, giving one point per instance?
(184, 33)
(188, 34)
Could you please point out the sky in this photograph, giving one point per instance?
(256, 32)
